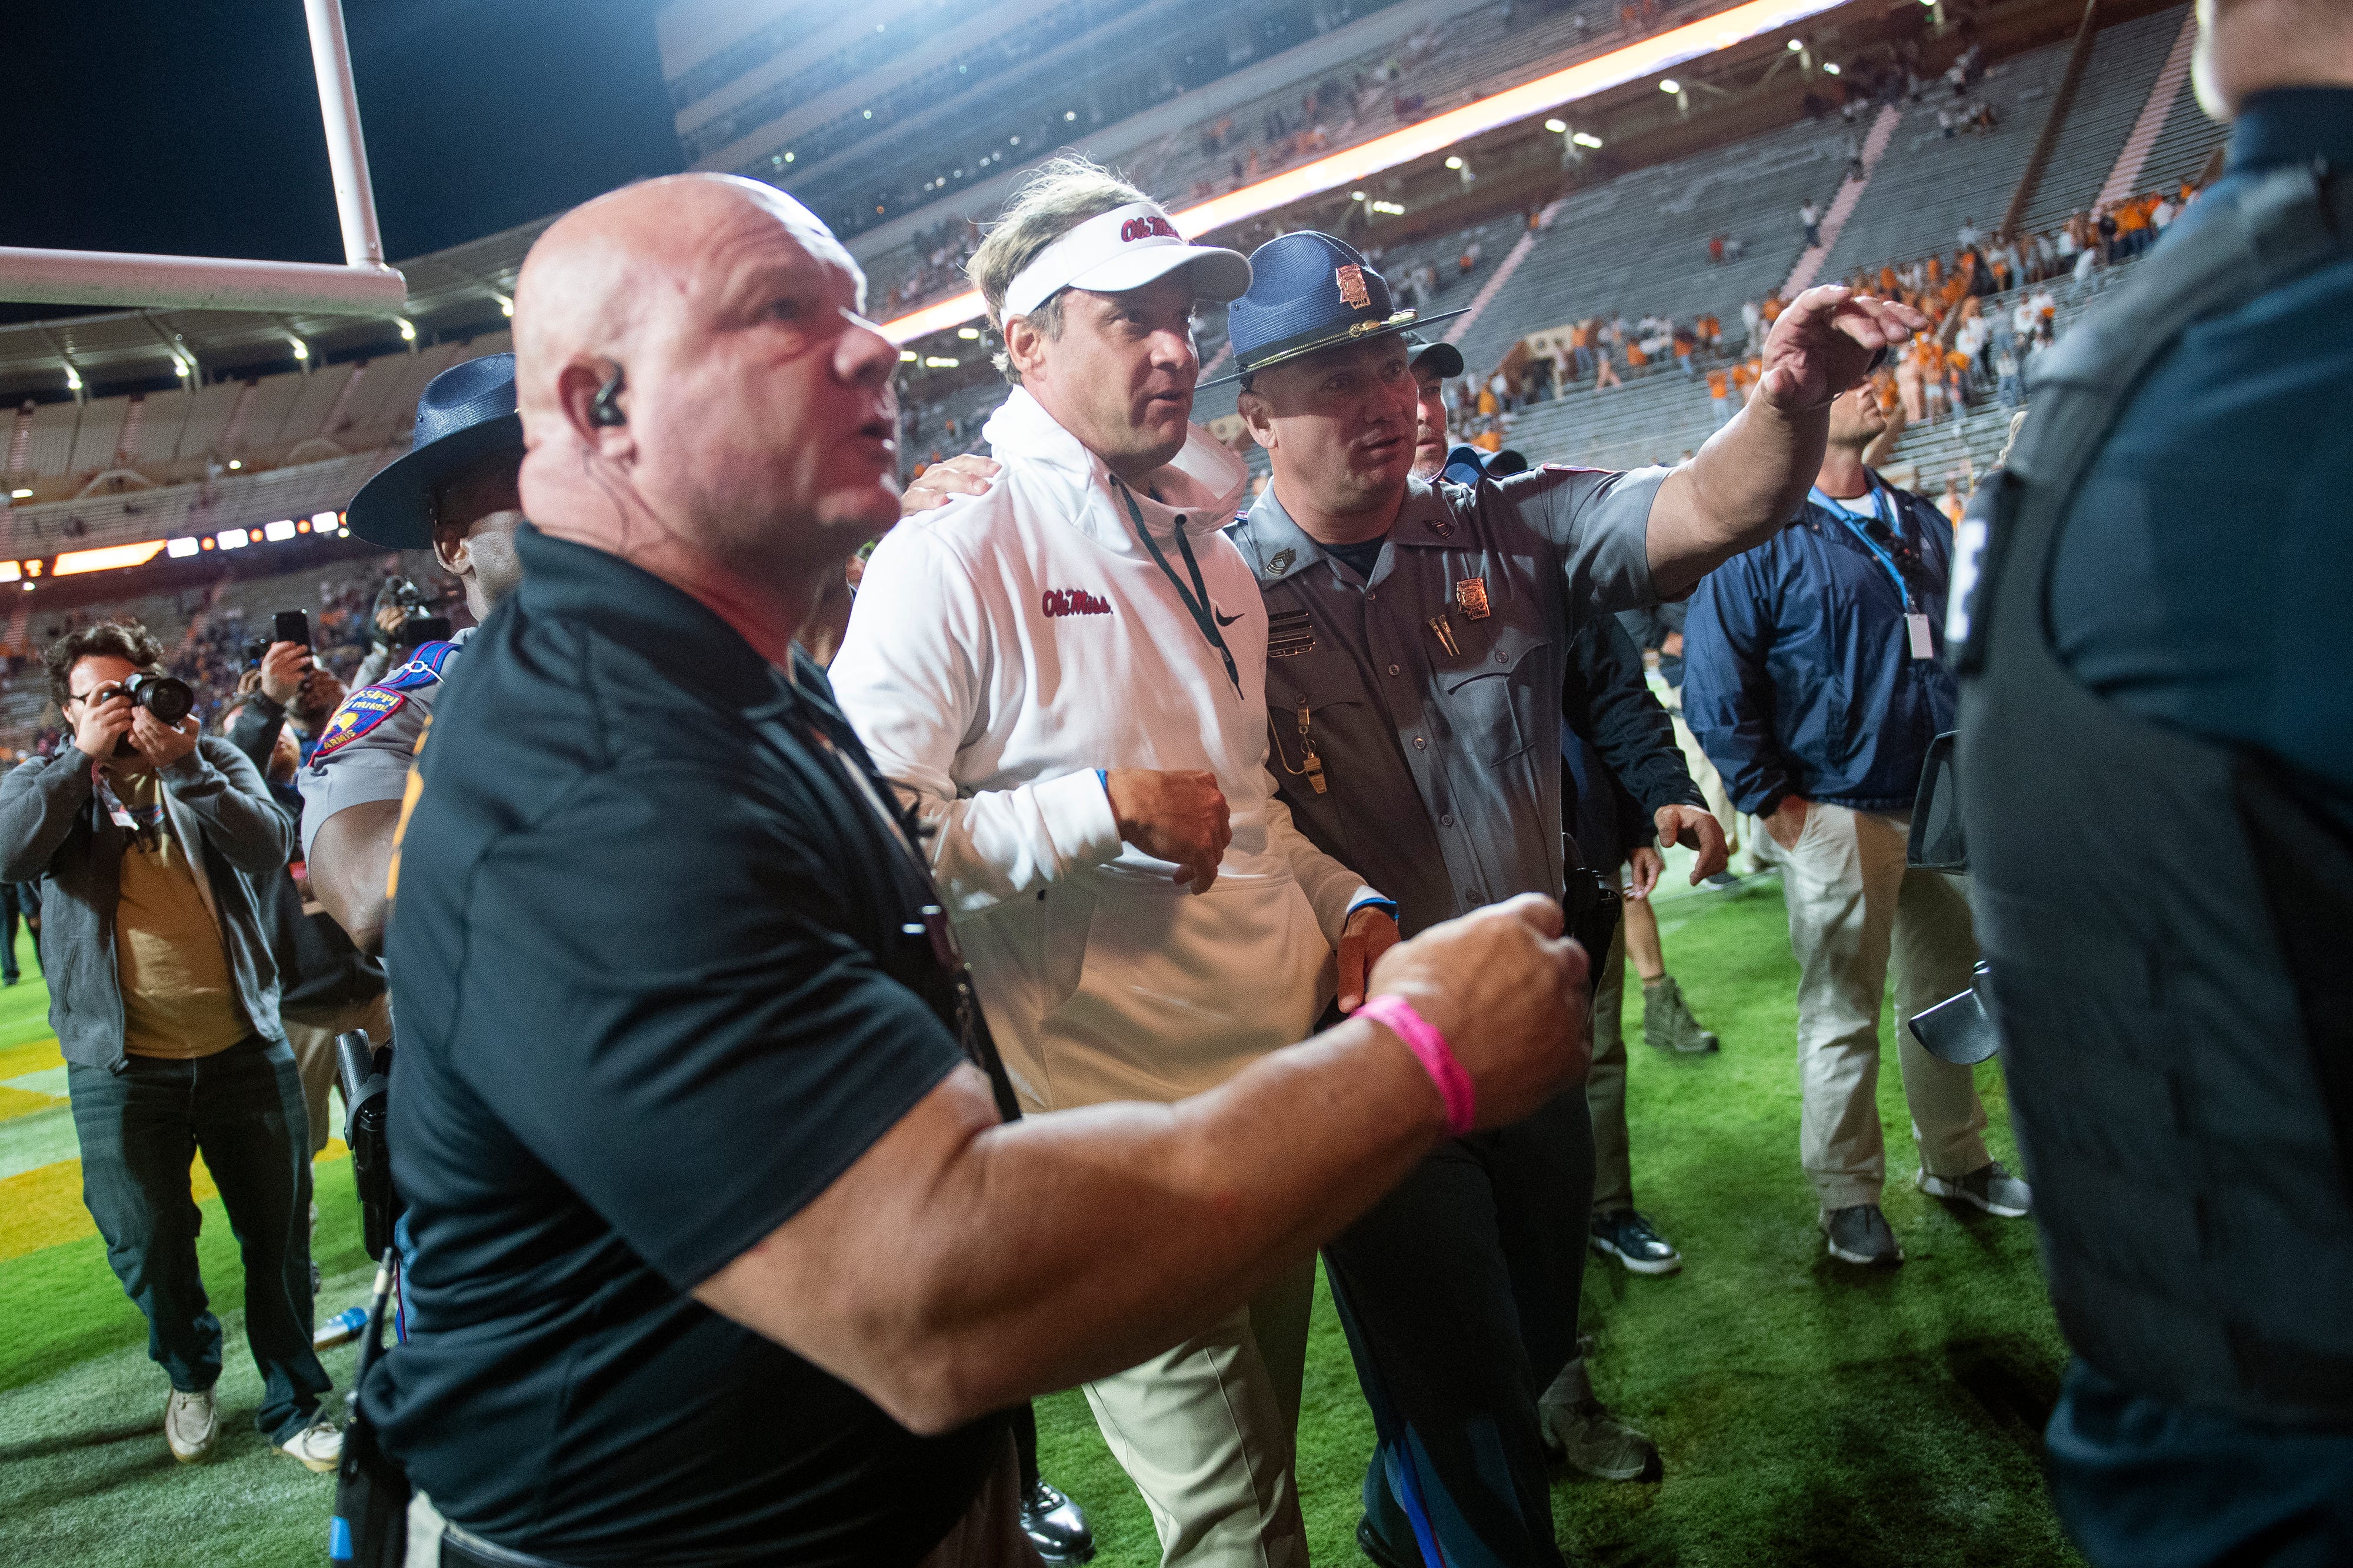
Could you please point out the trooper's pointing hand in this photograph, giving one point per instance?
(1508, 992)
(1825, 341)
(1175, 816)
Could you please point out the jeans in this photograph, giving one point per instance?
(140, 1127)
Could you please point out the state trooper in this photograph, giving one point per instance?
(1418, 641)
(2155, 771)
(453, 493)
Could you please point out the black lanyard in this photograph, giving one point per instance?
(1198, 600)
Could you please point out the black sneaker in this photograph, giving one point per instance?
(1630, 1238)
(1860, 1235)
(1055, 1526)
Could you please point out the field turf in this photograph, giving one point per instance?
(1807, 1414)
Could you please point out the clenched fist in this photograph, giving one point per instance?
(1508, 992)
(1175, 816)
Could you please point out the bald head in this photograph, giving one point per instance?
(699, 391)
(2245, 47)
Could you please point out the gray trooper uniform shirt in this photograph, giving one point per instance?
(1427, 697)
(368, 744)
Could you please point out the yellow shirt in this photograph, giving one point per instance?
(178, 999)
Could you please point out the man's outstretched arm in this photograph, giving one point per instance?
(1752, 475)
(1157, 1218)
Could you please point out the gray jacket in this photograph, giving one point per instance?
(53, 830)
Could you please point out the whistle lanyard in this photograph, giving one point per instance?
(1882, 509)
(1197, 601)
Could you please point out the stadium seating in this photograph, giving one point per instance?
(1927, 186)
(2126, 59)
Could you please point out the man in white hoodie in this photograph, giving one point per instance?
(1066, 677)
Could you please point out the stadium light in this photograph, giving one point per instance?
(1796, 46)
(302, 349)
(279, 533)
(906, 356)
(324, 520)
(1831, 67)
(506, 304)
(1669, 84)
(73, 379)
(180, 549)
(407, 329)
(940, 362)
(343, 533)
(10, 571)
(1351, 166)
(235, 464)
(113, 557)
(1454, 163)
(20, 495)
(1586, 138)
(1392, 208)
(1556, 126)
(230, 539)
(363, 286)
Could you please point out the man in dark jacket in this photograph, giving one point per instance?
(1812, 677)
(158, 849)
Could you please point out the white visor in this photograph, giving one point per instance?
(1122, 249)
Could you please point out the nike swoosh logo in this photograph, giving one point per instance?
(1223, 619)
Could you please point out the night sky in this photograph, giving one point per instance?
(192, 126)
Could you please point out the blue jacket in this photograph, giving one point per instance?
(1798, 674)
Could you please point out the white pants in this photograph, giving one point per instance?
(1109, 988)
(1852, 900)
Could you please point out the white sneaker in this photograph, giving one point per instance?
(191, 1425)
(320, 1446)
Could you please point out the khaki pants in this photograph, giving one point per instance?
(1205, 1431)
(314, 1053)
(1850, 901)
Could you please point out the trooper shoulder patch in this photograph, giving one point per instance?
(362, 712)
(423, 669)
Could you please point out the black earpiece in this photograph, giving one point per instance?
(603, 411)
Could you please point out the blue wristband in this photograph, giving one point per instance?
(1388, 905)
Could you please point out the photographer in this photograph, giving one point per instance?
(157, 848)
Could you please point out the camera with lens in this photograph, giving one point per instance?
(417, 624)
(169, 699)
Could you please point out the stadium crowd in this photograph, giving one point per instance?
(1294, 926)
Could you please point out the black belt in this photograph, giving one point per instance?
(463, 1549)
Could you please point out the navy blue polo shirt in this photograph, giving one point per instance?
(654, 995)
(2201, 579)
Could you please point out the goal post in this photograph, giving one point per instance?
(363, 286)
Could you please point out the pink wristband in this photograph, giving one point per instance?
(1429, 1048)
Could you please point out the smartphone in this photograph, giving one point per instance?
(292, 625)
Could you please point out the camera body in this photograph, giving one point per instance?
(418, 624)
(169, 698)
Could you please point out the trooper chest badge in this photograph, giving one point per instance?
(1471, 597)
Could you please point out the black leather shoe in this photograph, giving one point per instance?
(1370, 1545)
(1055, 1526)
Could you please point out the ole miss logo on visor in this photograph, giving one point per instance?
(1059, 602)
(1153, 227)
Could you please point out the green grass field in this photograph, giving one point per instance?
(1807, 1414)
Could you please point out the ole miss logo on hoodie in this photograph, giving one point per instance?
(1061, 602)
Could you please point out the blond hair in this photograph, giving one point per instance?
(1060, 194)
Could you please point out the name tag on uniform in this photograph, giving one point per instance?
(1289, 633)
(1915, 626)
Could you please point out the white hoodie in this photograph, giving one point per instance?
(1002, 649)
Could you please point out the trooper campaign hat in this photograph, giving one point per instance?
(466, 412)
(1310, 291)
